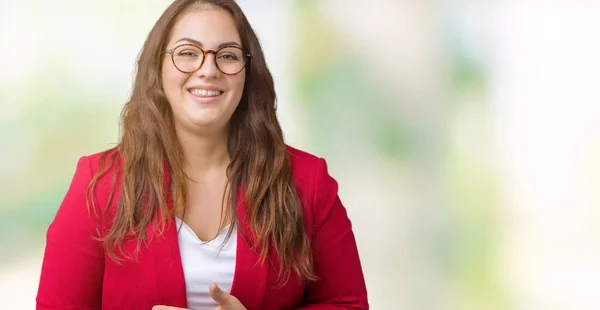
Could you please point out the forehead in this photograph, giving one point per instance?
(210, 26)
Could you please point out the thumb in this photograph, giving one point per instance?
(220, 296)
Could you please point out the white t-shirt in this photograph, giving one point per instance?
(204, 263)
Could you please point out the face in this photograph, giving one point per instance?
(202, 101)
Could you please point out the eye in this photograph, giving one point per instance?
(228, 56)
(187, 53)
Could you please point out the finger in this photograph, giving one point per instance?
(218, 295)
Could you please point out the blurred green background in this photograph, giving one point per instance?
(464, 135)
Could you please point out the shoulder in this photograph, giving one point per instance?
(316, 188)
(302, 162)
(96, 160)
(304, 166)
(311, 176)
(103, 166)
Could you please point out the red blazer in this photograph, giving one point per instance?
(77, 273)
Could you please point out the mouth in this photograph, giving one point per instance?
(205, 93)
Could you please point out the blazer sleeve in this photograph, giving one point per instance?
(73, 264)
(341, 283)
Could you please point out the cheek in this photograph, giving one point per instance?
(239, 86)
(172, 80)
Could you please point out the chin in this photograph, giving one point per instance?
(202, 117)
(203, 123)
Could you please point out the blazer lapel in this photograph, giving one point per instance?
(250, 275)
(168, 269)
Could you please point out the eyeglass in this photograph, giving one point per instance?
(188, 58)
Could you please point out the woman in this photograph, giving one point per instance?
(201, 205)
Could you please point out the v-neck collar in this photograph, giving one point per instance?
(250, 276)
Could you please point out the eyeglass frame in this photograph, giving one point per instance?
(247, 56)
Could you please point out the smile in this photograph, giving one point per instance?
(205, 92)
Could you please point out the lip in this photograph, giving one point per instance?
(205, 99)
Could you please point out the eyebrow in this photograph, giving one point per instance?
(230, 43)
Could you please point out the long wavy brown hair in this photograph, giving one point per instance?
(149, 151)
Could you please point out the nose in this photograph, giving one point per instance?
(209, 67)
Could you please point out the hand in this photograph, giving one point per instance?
(224, 299)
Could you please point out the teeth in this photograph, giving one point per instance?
(204, 92)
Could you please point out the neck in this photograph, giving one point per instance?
(204, 153)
